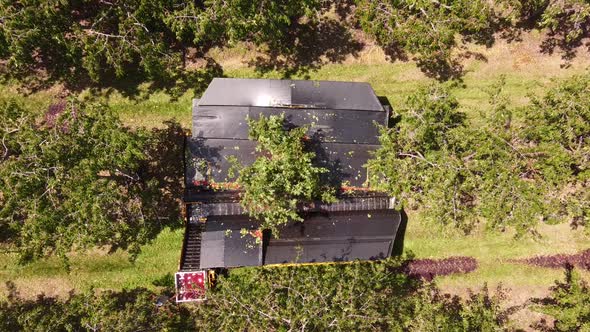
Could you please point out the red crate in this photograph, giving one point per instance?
(190, 286)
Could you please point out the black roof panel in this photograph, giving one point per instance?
(289, 93)
(335, 237)
(326, 125)
(345, 161)
(222, 245)
(322, 237)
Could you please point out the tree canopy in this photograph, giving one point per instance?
(426, 30)
(520, 167)
(76, 179)
(359, 296)
(283, 177)
(95, 42)
(96, 39)
(567, 303)
(75, 41)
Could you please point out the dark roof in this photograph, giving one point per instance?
(222, 245)
(328, 125)
(335, 237)
(289, 93)
(361, 228)
(342, 117)
(322, 237)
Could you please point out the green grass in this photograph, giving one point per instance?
(96, 269)
(150, 110)
(147, 110)
(394, 81)
(494, 252)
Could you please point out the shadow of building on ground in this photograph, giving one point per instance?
(398, 244)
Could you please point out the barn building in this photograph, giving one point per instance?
(342, 118)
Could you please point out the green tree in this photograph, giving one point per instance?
(568, 304)
(126, 310)
(421, 158)
(284, 175)
(344, 297)
(263, 22)
(506, 174)
(359, 296)
(73, 41)
(557, 131)
(433, 310)
(517, 168)
(426, 30)
(85, 42)
(75, 180)
(559, 122)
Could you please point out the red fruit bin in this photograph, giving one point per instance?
(190, 286)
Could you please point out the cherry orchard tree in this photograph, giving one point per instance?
(426, 30)
(75, 180)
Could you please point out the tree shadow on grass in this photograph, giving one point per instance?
(138, 87)
(308, 47)
(557, 41)
(135, 85)
(163, 166)
(566, 37)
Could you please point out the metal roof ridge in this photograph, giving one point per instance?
(287, 79)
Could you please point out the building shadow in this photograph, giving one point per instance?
(398, 244)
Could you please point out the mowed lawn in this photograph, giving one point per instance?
(96, 269)
(394, 81)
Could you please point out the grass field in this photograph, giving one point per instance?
(96, 269)
(526, 73)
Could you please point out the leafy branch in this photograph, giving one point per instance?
(283, 177)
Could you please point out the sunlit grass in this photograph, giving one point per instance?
(395, 81)
(495, 253)
(96, 269)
